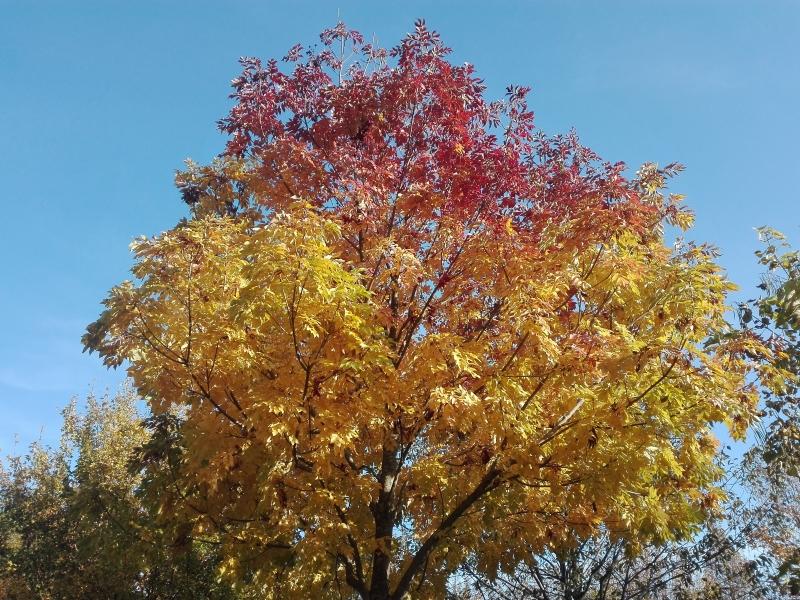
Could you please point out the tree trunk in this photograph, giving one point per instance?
(384, 513)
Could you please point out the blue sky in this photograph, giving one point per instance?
(101, 101)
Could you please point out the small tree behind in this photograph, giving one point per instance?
(72, 525)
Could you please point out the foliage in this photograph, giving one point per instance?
(403, 327)
(71, 525)
(759, 519)
(775, 316)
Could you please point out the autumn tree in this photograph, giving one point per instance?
(402, 327)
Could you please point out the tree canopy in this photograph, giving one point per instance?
(403, 328)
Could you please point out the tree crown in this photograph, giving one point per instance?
(403, 327)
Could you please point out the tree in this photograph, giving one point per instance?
(776, 541)
(402, 327)
(72, 524)
(775, 318)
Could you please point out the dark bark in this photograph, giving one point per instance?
(384, 512)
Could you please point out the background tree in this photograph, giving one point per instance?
(72, 525)
(775, 317)
(403, 327)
